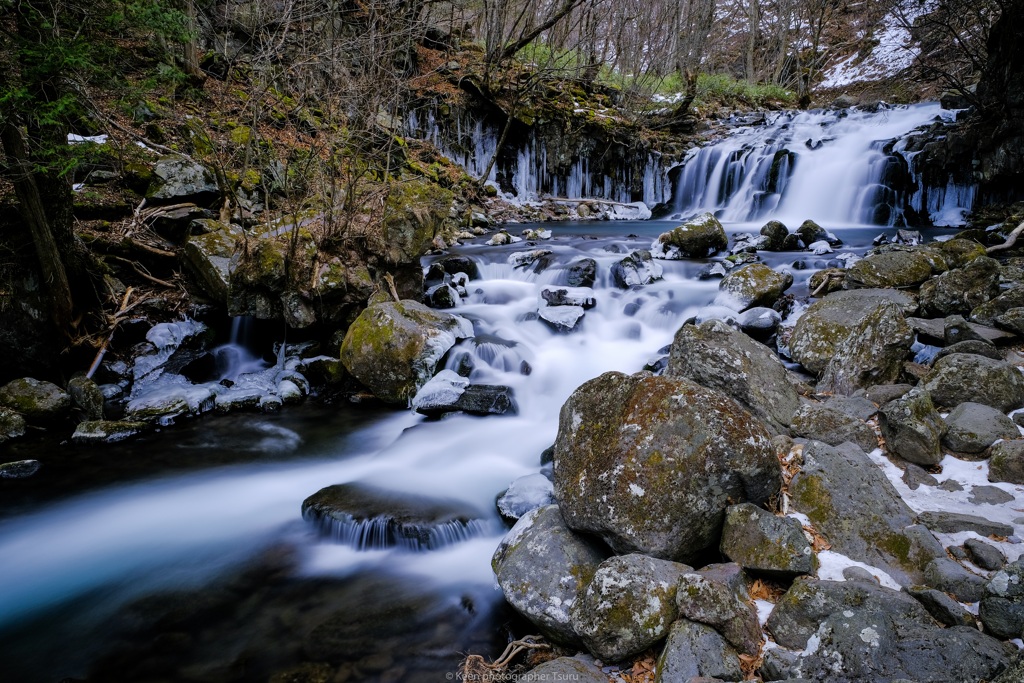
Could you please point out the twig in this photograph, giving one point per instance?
(391, 286)
(1011, 239)
(103, 349)
(143, 273)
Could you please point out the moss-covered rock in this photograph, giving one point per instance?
(717, 596)
(176, 179)
(650, 463)
(698, 237)
(696, 651)
(873, 353)
(753, 285)
(896, 269)
(393, 347)
(961, 290)
(912, 428)
(208, 257)
(107, 431)
(961, 377)
(1006, 462)
(761, 542)
(12, 425)
(822, 423)
(38, 402)
(776, 233)
(86, 398)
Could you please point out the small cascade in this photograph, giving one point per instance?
(845, 167)
(235, 358)
(381, 533)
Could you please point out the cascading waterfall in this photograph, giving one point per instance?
(235, 358)
(522, 172)
(838, 167)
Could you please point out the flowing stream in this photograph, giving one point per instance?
(183, 556)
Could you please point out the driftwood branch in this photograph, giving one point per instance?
(113, 328)
(1011, 239)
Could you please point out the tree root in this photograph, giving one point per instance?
(476, 668)
(1011, 239)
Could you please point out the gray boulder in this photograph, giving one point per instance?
(985, 555)
(1006, 462)
(567, 669)
(761, 542)
(614, 477)
(717, 596)
(107, 431)
(628, 606)
(176, 180)
(960, 290)
(698, 237)
(989, 312)
(815, 421)
(753, 285)
(912, 428)
(895, 269)
(442, 296)
(979, 348)
(776, 233)
(12, 425)
(716, 356)
(973, 427)
(393, 348)
(848, 499)
(873, 353)
(943, 608)
(37, 401)
(543, 568)
(1002, 607)
(86, 398)
(949, 576)
(696, 651)
(953, 522)
(636, 270)
(759, 322)
(583, 272)
(830, 321)
(19, 469)
(962, 377)
(208, 258)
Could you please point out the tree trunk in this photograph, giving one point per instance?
(33, 210)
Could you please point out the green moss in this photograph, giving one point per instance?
(813, 497)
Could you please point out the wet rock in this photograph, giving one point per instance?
(694, 650)
(759, 322)
(962, 289)
(830, 321)
(895, 269)
(526, 493)
(177, 180)
(568, 296)
(208, 258)
(716, 356)
(698, 237)
(502, 238)
(582, 273)
(394, 347)
(978, 348)
(810, 232)
(366, 517)
(443, 296)
(613, 480)
(759, 541)
(170, 348)
(529, 260)
(169, 397)
(19, 469)
(826, 281)
(1006, 462)
(953, 522)
(745, 243)
(717, 596)
(949, 576)
(487, 399)
(872, 353)
(776, 233)
(562, 318)
(86, 398)
(628, 606)
(989, 312)
(961, 377)
(543, 568)
(985, 555)
(37, 401)
(913, 428)
(753, 285)
(460, 264)
(793, 243)
(107, 431)
(636, 270)
(12, 425)
(567, 669)
(848, 499)
(943, 608)
(973, 427)
(832, 427)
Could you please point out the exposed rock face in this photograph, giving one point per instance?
(717, 356)
(759, 541)
(962, 377)
(850, 501)
(828, 323)
(913, 429)
(543, 568)
(872, 354)
(650, 463)
(37, 401)
(754, 284)
(394, 347)
(628, 606)
(698, 237)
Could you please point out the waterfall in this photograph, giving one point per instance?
(839, 167)
(235, 357)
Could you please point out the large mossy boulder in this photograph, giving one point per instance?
(628, 606)
(393, 348)
(650, 463)
(828, 323)
(717, 356)
(208, 257)
(873, 353)
(753, 285)
(37, 401)
(961, 290)
(962, 377)
(761, 542)
(177, 179)
(896, 269)
(912, 428)
(12, 425)
(695, 651)
(543, 568)
(849, 500)
(415, 212)
(698, 237)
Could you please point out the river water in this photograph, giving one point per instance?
(183, 556)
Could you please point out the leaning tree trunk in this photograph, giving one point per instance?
(34, 211)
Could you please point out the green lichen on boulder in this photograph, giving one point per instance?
(393, 347)
(897, 269)
(415, 212)
(650, 463)
(208, 257)
(759, 541)
(753, 285)
(38, 402)
(873, 353)
(961, 377)
(12, 425)
(698, 237)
